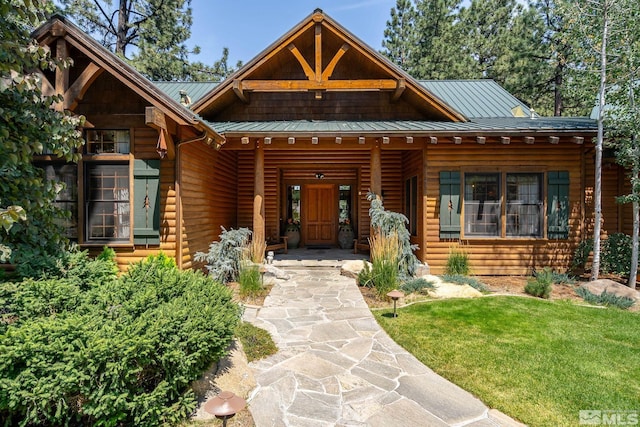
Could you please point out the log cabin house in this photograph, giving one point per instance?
(305, 130)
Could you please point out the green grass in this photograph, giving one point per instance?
(538, 361)
(256, 342)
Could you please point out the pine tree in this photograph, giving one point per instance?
(150, 34)
(399, 36)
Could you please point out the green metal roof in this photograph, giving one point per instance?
(489, 107)
(477, 126)
(477, 98)
(473, 98)
(195, 90)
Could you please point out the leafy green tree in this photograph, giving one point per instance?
(150, 34)
(622, 116)
(607, 33)
(29, 126)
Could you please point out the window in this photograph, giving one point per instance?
(482, 204)
(107, 205)
(411, 204)
(524, 197)
(524, 205)
(67, 198)
(108, 141)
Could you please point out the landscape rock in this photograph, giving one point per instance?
(273, 271)
(453, 290)
(596, 287)
(353, 268)
(423, 270)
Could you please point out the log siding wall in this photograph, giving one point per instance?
(208, 191)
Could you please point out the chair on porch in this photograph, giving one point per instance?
(277, 243)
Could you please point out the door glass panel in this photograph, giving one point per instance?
(344, 204)
(293, 204)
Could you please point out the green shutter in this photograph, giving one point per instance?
(449, 204)
(146, 203)
(558, 204)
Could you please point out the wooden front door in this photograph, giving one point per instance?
(319, 214)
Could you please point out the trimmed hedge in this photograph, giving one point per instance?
(121, 351)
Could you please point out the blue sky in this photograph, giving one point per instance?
(247, 27)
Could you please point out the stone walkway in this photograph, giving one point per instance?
(337, 367)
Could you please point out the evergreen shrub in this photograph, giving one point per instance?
(113, 351)
(540, 285)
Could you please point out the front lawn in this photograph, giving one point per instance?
(540, 362)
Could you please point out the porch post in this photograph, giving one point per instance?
(376, 169)
(258, 194)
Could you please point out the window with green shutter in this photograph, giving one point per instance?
(146, 203)
(558, 204)
(449, 204)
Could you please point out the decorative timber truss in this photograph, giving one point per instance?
(318, 78)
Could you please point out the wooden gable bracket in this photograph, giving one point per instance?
(155, 118)
(237, 88)
(71, 94)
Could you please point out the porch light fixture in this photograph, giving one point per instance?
(244, 140)
(319, 175)
(225, 405)
(314, 140)
(267, 140)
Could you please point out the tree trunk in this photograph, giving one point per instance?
(121, 36)
(597, 196)
(557, 94)
(633, 274)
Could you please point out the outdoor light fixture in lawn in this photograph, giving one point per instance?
(270, 257)
(395, 296)
(225, 405)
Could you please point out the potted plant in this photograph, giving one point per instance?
(292, 231)
(345, 234)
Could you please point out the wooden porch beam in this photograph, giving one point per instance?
(258, 196)
(376, 170)
(307, 85)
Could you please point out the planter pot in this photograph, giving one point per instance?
(293, 238)
(345, 238)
